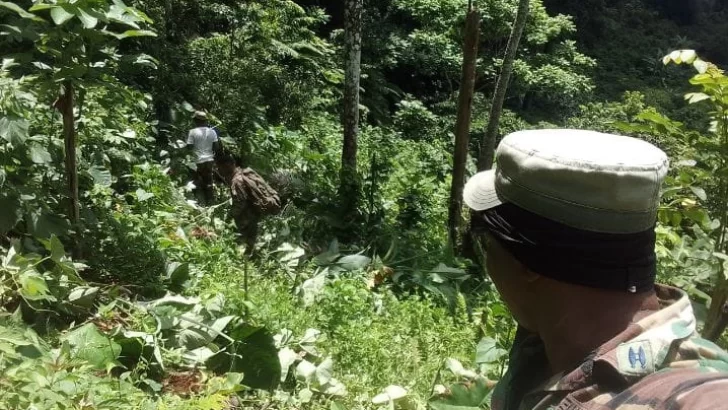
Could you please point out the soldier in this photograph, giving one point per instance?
(252, 199)
(567, 220)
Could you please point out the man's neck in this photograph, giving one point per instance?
(581, 325)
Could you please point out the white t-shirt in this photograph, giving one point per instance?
(202, 139)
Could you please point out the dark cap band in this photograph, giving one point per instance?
(623, 262)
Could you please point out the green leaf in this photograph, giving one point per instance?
(488, 352)
(83, 296)
(60, 16)
(699, 192)
(19, 10)
(178, 273)
(14, 130)
(143, 195)
(693, 98)
(261, 366)
(34, 287)
(87, 20)
(42, 225)
(351, 263)
(41, 7)
(463, 397)
(39, 154)
(88, 344)
(10, 215)
(56, 248)
(101, 176)
(136, 33)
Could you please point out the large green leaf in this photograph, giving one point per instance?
(43, 225)
(34, 287)
(488, 351)
(89, 344)
(10, 215)
(13, 129)
(87, 19)
(19, 10)
(60, 15)
(254, 354)
(83, 296)
(101, 176)
(464, 397)
(39, 154)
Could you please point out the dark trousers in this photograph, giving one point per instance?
(247, 220)
(203, 181)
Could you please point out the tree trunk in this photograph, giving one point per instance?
(462, 125)
(487, 146)
(69, 137)
(352, 32)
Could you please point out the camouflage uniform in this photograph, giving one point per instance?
(657, 363)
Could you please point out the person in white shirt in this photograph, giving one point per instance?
(204, 142)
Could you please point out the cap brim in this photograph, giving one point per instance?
(480, 193)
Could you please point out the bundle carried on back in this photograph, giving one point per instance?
(258, 192)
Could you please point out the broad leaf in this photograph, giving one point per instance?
(143, 195)
(178, 273)
(305, 371)
(352, 263)
(10, 215)
(389, 394)
(101, 176)
(34, 287)
(14, 130)
(473, 396)
(39, 154)
(88, 344)
(324, 370)
(488, 352)
(44, 225)
(287, 357)
(699, 192)
(261, 366)
(56, 248)
(87, 20)
(19, 10)
(83, 296)
(60, 16)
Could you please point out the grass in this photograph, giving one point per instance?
(374, 338)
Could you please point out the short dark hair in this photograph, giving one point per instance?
(226, 160)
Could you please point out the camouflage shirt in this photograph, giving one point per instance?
(657, 363)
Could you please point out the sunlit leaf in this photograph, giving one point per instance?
(60, 16)
(39, 154)
(137, 33)
(56, 248)
(699, 192)
(87, 20)
(19, 10)
(14, 130)
(83, 296)
(693, 98)
(88, 344)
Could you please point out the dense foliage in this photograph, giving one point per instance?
(148, 302)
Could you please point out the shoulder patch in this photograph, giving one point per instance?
(635, 358)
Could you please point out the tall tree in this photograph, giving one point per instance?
(462, 125)
(487, 146)
(352, 34)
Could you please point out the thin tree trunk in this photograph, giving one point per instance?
(69, 137)
(462, 125)
(352, 27)
(717, 320)
(487, 146)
